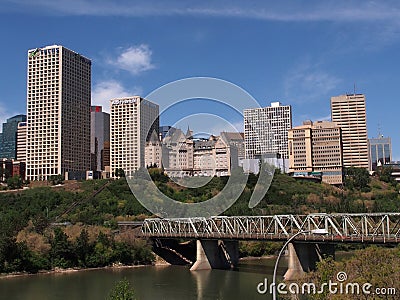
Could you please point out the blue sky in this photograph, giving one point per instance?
(297, 52)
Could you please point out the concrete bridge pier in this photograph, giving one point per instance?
(303, 258)
(216, 254)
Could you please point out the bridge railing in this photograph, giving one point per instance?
(363, 227)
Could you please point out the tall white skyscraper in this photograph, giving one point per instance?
(349, 112)
(266, 130)
(58, 119)
(133, 120)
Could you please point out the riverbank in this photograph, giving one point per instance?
(159, 262)
(257, 257)
(73, 270)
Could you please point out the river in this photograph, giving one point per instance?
(149, 282)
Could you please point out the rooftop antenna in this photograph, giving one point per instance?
(354, 88)
(379, 131)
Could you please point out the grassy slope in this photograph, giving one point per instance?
(116, 201)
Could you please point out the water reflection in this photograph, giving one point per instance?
(160, 282)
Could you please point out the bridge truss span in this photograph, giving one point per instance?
(336, 227)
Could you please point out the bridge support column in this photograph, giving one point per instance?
(304, 256)
(214, 254)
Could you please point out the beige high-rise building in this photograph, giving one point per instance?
(316, 148)
(349, 112)
(21, 141)
(58, 118)
(133, 120)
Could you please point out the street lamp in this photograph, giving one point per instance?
(314, 231)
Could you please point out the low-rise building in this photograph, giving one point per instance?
(153, 151)
(177, 154)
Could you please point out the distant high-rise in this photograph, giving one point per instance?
(99, 134)
(133, 120)
(105, 156)
(8, 141)
(266, 130)
(317, 147)
(380, 151)
(21, 141)
(349, 112)
(58, 133)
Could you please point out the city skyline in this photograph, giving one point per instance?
(300, 55)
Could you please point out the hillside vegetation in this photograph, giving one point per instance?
(28, 243)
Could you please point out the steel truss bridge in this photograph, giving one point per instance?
(336, 227)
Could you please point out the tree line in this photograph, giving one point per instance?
(31, 251)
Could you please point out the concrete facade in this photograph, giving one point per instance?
(349, 112)
(153, 151)
(235, 141)
(21, 141)
(266, 130)
(133, 120)
(303, 258)
(216, 254)
(316, 148)
(58, 118)
(184, 156)
(177, 154)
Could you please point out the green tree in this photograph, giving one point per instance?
(14, 182)
(83, 248)
(56, 179)
(385, 174)
(122, 291)
(374, 265)
(119, 173)
(103, 253)
(357, 178)
(62, 251)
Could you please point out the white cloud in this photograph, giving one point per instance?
(308, 83)
(284, 10)
(135, 59)
(105, 90)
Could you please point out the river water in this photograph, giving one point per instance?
(150, 282)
